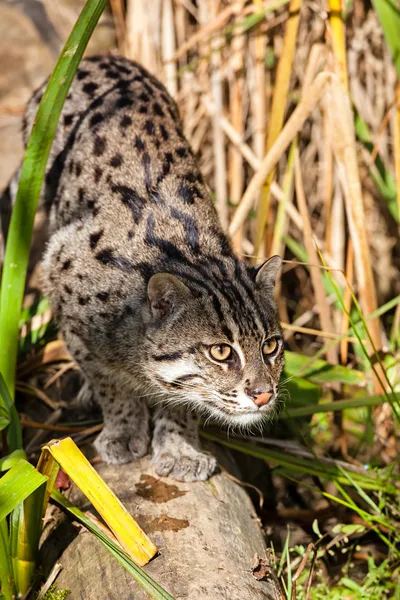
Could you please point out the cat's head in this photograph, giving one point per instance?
(216, 342)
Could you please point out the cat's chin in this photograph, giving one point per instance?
(244, 419)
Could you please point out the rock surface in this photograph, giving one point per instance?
(207, 534)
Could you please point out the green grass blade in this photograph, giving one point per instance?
(25, 531)
(14, 432)
(16, 485)
(146, 582)
(7, 587)
(388, 12)
(32, 173)
(365, 401)
(297, 464)
(7, 462)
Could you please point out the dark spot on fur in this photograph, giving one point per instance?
(143, 97)
(124, 102)
(97, 118)
(81, 74)
(94, 238)
(181, 151)
(116, 161)
(186, 193)
(139, 144)
(143, 109)
(107, 257)
(112, 74)
(157, 109)
(149, 126)
(103, 296)
(99, 145)
(81, 194)
(125, 121)
(98, 172)
(130, 235)
(68, 289)
(90, 88)
(68, 120)
(66, 265)
(164, 132)
(83, 300)
(78, 169)
(90, 204)
(97, 103)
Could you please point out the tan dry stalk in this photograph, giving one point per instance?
(236, 172)
(316, 332)
(287, 187)
(118, 12)
(220, 174)
(278, 109)
(168, 48)
(344, 148)
(288, 133)
(316, 275)
(235, 138)
(210, 27)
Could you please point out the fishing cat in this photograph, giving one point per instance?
(153, 304)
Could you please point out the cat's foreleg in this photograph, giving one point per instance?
(176, 446)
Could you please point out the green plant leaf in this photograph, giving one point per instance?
(365, 401)
(16, 485)
(7, 587)
(388, 12)
(14, 433)
(302, 392)
(25, 531)
(321, 371)
(32, 173)
(147, 583)
(7, 462)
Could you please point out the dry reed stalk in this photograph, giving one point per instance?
(236, 173)
(118, 12)
(346, 159)
(220, 178)
(143, 33)
(315, 273)
(287, 188)
(168, 48)
(316, 332)
(336, 221)
(289, 131)
(235, 138)
(278, 109)
(208, 27)
(259, 108)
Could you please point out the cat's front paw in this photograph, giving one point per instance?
(119, 448)
(189, 464)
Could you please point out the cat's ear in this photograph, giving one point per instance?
(165, 292)
(266, 274)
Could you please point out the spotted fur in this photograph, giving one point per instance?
(126, 204)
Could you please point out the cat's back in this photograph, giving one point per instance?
(120, 150)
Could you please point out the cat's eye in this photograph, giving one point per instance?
(221, 352)
(270, 347)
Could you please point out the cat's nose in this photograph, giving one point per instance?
(260, 398)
